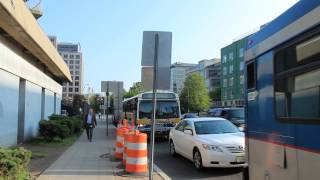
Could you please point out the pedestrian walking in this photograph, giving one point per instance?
(90, 122)
(99, 115)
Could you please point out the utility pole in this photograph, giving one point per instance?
(154, 106)
(107, 119)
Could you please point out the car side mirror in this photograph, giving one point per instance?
(188, 131)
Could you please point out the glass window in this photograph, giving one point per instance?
(65, 56)
(77, 67)
(297, 85)
(77, 56)
(224, 70)
(241, 52)
(215, 127)
(77, 72)
(76, 83)
(165, 109)
(77, 61)
(71, 56)
(76, 78)
(180, 126)
(241, 79)
(225, 82)
(71, 66)
(224, 59)
(241, 65)
(231, 81)
(76, 89)
(70, 89)
(231, 56)
(230, 69)
(251, 79)
(64, 89)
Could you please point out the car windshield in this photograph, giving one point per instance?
(215, 127)
(165, 110)
(236, 113)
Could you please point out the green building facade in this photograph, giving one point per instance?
(232, 73)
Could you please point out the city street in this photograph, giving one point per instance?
(179, 167)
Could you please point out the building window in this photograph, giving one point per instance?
(70, 89)
(71, 72)
(251, 75)
(66, 61)
(241, 79)
(241, 66)
(77, 67)
(71, 67)
(225, 95)
(77, 61)
(224, 70)
(71, 56)
(231, 56)
(230, 69)
(241, 52)
(65, 56)
(224, 59)
(64, 89)
(70, 95)
(76, 83)
(231, 93)
(297, 82)
(231, 81)
(77, 56)
(71, 62)
(77, 72)
(225, 82)
(76, 78)
(76, 89)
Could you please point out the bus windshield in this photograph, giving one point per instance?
(165, 110)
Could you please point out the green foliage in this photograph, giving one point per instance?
(134, 90)
(13, 163)
(215, 94)
(73, 105)
(94, 103)
(194, 94)
(59, 127)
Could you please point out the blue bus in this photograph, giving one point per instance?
(283, 96)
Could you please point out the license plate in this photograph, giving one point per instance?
(240, 159)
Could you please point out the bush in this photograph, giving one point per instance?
(13, 163)
(59, 127)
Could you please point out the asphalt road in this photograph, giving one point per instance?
(179, 167)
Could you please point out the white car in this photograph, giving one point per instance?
(208, 142)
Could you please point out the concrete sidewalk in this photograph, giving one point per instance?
(89, 160)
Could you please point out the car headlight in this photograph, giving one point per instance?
(211, 148)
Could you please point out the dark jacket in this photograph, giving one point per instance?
(93, 120)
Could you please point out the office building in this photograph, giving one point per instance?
(209, 69)
(178, 75)
(31, 72)
(232, 73)
(72, 55)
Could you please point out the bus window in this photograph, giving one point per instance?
(165, 110)
(297, 85)
(251, 76)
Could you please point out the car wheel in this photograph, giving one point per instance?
(172, 149)
(197, 160)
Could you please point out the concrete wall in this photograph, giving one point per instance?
(9, 98)
(49, 104)
(32, 110)
(15, 66)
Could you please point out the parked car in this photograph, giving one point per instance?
(212, 111)
(234, 115)
(208, 142)
(189, 115)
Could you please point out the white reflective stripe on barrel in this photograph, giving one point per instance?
(136, 146)
(120, 138)
(143, 160)
(120, 150)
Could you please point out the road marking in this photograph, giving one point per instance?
(161, 173)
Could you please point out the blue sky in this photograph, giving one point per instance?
(110, 31)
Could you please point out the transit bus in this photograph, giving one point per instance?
(283, 96)
(138, 110)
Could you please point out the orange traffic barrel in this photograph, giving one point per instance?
(121, 131)
(136, 153)
(129, 133)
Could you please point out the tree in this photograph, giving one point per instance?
(73, 105)
(95, 102)
(134, 90)
(215, 95)
(194, 95)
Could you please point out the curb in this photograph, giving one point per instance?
(161, 173)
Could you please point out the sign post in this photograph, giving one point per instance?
(107, 109)
(154, 106)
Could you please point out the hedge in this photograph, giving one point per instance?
(13, 163)
(59, 127)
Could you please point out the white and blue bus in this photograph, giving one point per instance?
(138, 110)
(283, 96)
